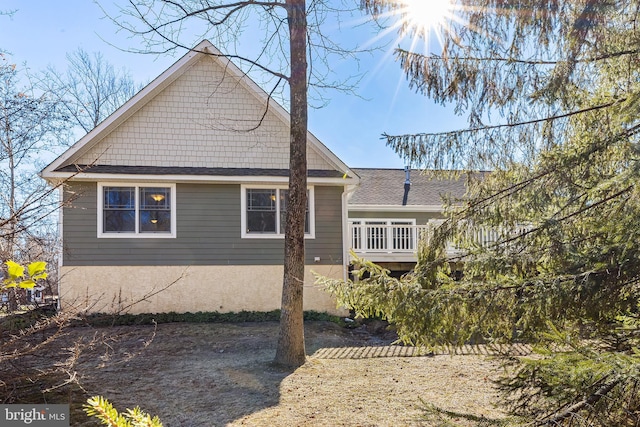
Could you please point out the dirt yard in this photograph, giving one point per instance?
(221, 375)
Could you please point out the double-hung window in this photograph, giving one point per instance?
(136, 210)
(264, 212)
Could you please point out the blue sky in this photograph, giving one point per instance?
(42, 32)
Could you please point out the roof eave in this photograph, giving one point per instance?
(395, 208)
(54, 177)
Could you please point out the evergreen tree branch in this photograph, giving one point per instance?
(392, 138)
(571, 215)
(591, 400)
(419, 58)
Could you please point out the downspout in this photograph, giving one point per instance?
(61, 242)
(348, 189)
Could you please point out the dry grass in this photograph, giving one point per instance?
(380, 392)
(221, 374)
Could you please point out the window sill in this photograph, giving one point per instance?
(136, 236)
(271, 236)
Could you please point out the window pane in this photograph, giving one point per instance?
(119, 210)
(155, 210)
(119, 198)
(119, 221)
(261, 211)
(153, 221)
(157, 198)
(283, 211)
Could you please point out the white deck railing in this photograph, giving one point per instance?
(402, 237)
(373, 237)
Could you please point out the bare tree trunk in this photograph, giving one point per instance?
(13, 213)
(290, 350)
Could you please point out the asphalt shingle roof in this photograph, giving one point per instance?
(386, 187)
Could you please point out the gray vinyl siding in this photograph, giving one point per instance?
(420, 217)
(208, 231)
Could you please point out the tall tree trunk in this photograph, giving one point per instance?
(290, 350)
(13, 216)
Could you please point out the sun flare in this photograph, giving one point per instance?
(424, 18)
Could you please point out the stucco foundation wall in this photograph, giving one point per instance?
(158, 289)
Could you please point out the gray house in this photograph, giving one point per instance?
(176, 201)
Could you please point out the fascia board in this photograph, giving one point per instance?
(60, 176)
(395, 208)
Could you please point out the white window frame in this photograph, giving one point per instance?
(243, 212)
(136, 234)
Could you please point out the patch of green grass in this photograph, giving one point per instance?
(199, 317)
